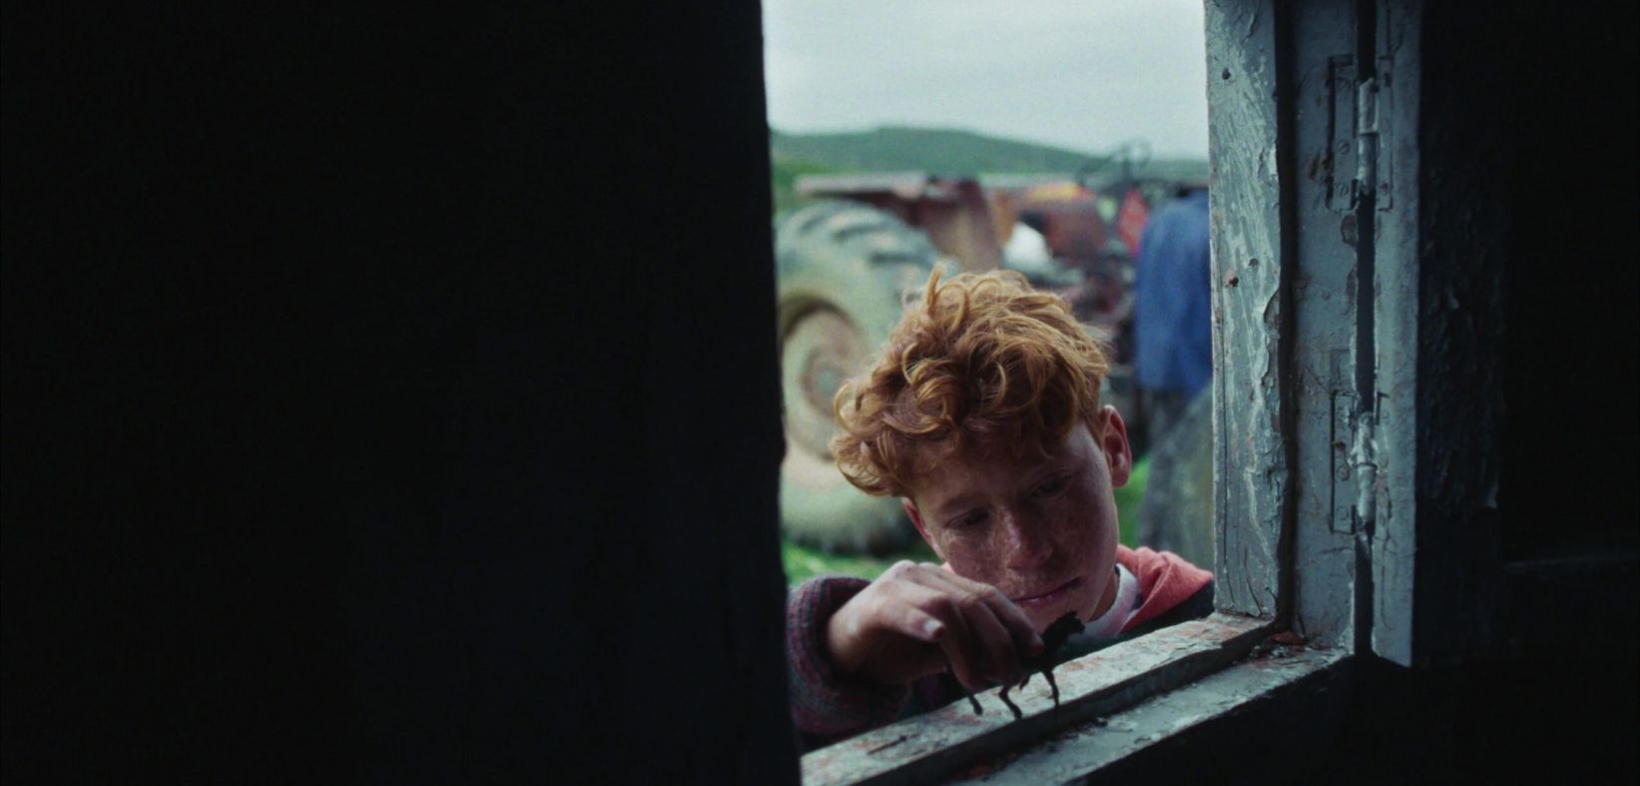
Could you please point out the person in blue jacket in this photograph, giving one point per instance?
(1172, 317)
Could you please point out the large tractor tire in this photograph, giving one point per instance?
(843, 270)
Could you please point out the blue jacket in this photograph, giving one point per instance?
(1172, 318)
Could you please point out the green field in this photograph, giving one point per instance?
(803, 563)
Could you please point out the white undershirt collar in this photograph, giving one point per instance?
(1121, 610)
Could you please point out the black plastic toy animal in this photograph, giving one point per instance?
(1052, 639)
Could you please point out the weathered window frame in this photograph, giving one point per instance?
(1316, 290)
(1313, 406)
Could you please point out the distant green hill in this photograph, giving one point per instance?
(944, 151)
(941, 150)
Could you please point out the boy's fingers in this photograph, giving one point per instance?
(981, 648)
(927, 614)
(920, 625)
(911, 608)
(997, 645)
(1018, 627)
(924, 614)
(979, 634)
(957, 643)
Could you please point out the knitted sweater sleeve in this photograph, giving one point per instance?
(827, 706)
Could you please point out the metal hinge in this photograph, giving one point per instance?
(1358, 155)
(1354, 464)
(1364, 463)
(1366, 142)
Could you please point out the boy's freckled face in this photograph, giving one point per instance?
(1044, 532)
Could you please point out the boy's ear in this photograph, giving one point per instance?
(922, 526)
(1114, 441)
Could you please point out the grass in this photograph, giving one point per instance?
(1128, 499)
(803, 563)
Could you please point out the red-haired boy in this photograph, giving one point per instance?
(983, 416)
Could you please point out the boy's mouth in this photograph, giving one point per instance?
(1050, 597)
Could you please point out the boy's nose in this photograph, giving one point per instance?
(1024, 545)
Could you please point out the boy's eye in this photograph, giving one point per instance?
(1050, 488)
(969, 519)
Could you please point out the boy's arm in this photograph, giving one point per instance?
(853, 646)
(826, 706)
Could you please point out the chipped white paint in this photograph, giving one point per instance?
(1072, 755)
(1323, 65)
(1395, 320)
(1251, 468)
(917, 750)
(1290, 254)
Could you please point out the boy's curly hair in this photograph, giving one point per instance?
(983, 363)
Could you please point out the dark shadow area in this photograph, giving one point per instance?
(388, 397)
(1371, 722)
(1573, 305)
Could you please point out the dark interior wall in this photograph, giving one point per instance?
(1371, 722)
(1528, 247)
(1572, 471)
(390, 396)
(1528, 242)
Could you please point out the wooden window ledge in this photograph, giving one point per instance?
(1112, 703)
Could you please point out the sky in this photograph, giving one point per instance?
(1085, 75)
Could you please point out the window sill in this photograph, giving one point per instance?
(1122, 684)
(1076, 753)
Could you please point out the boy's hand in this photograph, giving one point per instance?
(916, 618)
